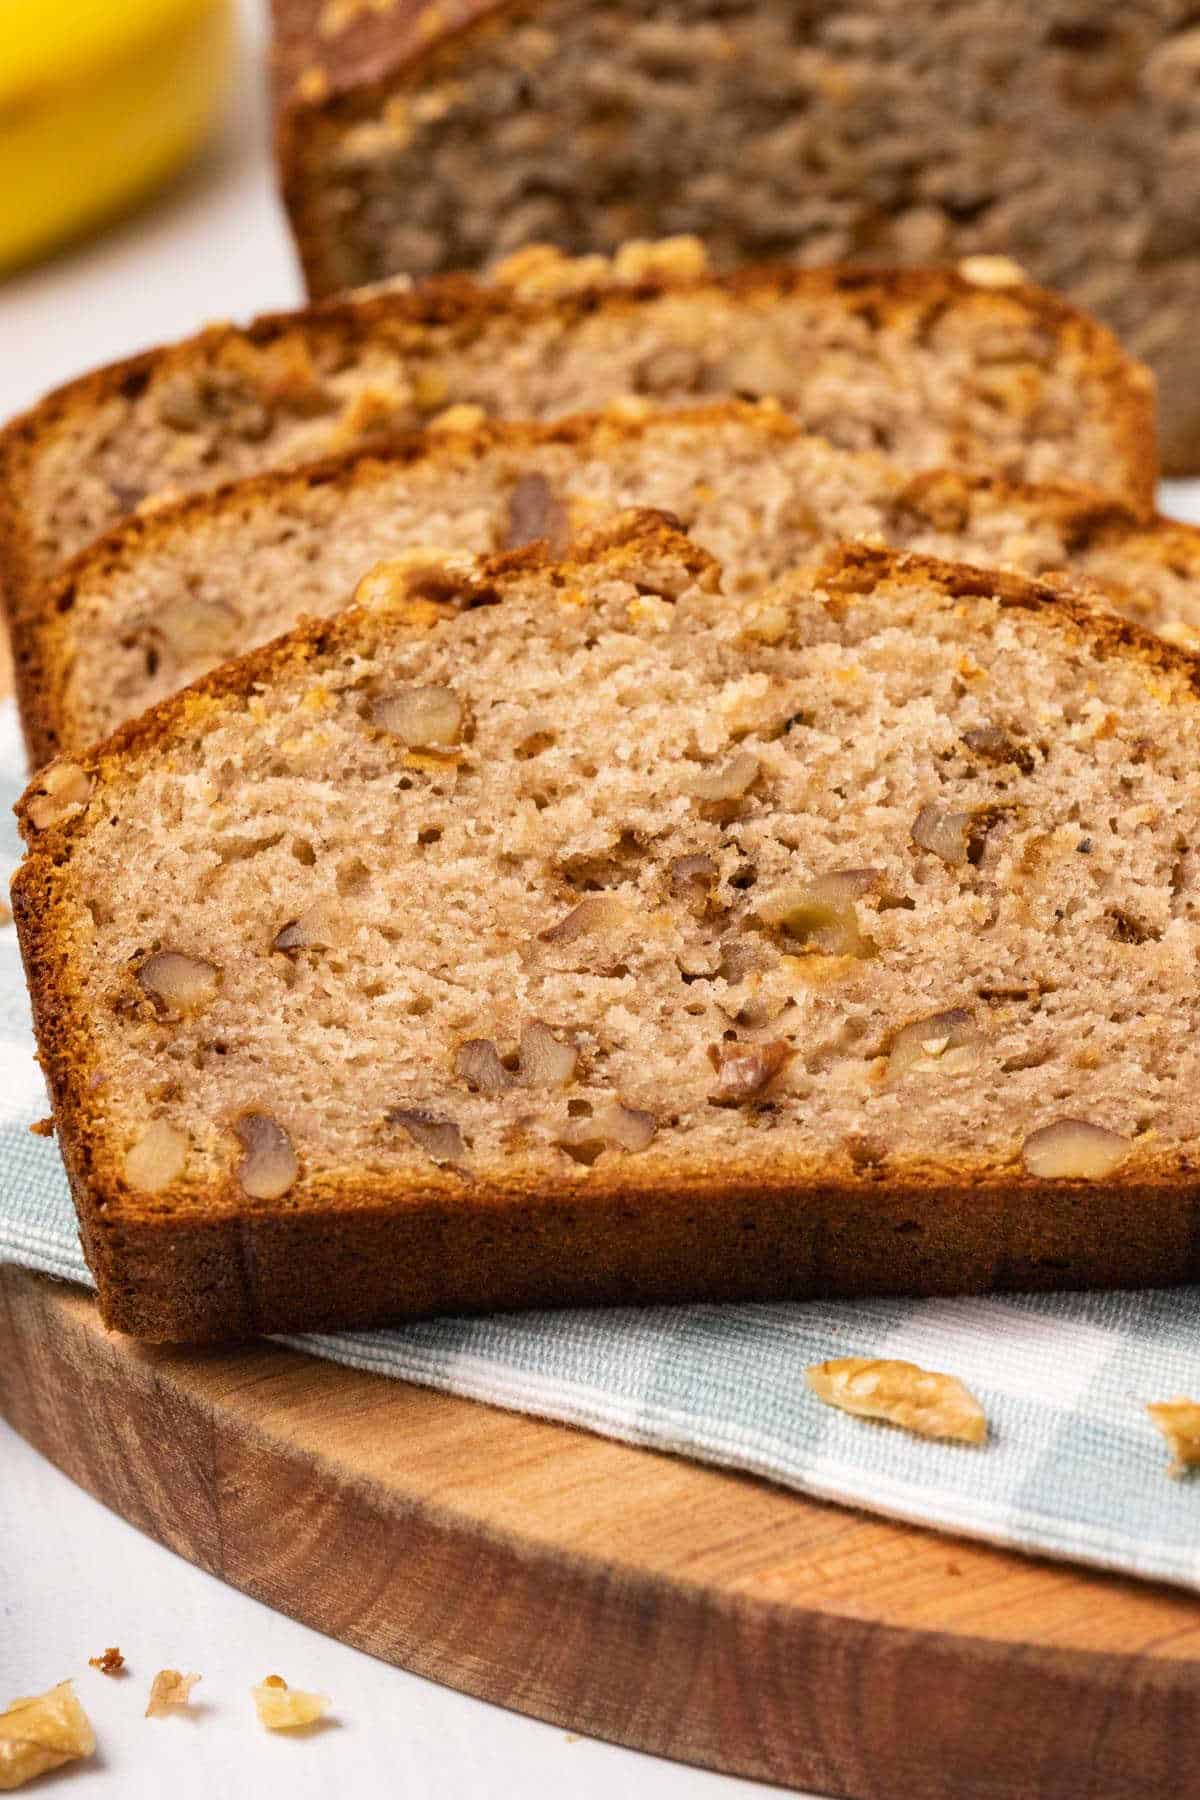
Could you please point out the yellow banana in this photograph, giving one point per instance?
(99, 101)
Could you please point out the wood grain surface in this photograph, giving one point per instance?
(705, 1616)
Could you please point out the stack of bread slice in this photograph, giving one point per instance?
(709, 815)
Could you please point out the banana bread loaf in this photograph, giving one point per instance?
(924, 366)
(537, 934)
(1067, 136)
(160, 600)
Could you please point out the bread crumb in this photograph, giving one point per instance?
(542, 272)
(169, 1689)
(42, 1128)
(464, 417)
(1179, 1422)
(992, 271)
(40, 1732)
(919, 1400)
(109, 1662)
(159, 501)
(281, 1708)
(628, 409)
(663, 259)
(371, 409)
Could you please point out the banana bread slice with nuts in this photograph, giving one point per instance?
(168, 596)
(921, 364)
(537, 934)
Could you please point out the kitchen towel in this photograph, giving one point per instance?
(1073, 1467)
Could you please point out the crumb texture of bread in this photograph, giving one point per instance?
(589, 899)
(1063, 137)
(922, 365)
(181, 591)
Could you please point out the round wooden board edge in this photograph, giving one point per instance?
(219, 1455)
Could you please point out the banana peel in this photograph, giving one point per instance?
(100, 101)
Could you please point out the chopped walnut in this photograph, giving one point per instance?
(178, 984)
(616, 1126)
(282, 1708)
(321, 927)
(535, 513)
(1179, 1422)
(168, 1690)
(744, 1071)
(109, 1662)
(1073, 1149)
(819, 916)
(283, 372)
(946, 835)
(427, 717)
(627, 1126)
(41, 1732)
(269, 1167)
(692, 880)
(955, 837)
(477, 1063)
(157, 1157)
(195, 629)
(919, 1400)
(440, 1138)
(544, 1060)
(62, 790)
(992, 744)
(839, 885)
(945, 1043)
(727, 781)
(600, 912)
(401, 580)
(180, 404)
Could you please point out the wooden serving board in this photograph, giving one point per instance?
(701, 1615)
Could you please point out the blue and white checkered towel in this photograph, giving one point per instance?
(1074, 1467)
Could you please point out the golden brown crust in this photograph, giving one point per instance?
(461, 306)
(201, 1264)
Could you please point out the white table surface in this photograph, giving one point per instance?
(73, 1577)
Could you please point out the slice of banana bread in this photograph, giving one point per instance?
(535, 934)
(163, 599)
(441, 133)
(922, 365)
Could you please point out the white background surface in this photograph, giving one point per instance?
(73, 1578)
